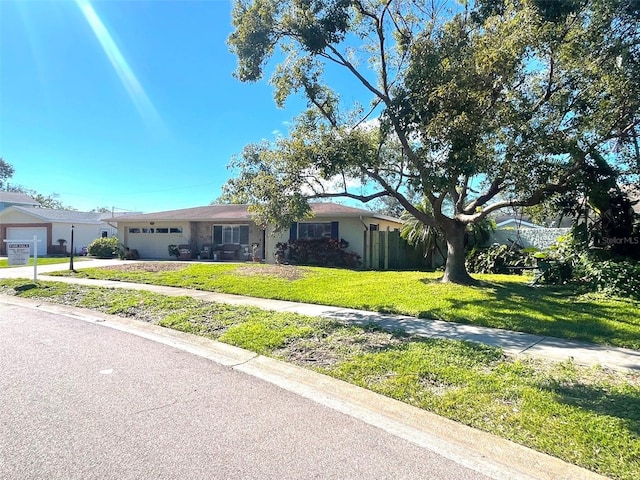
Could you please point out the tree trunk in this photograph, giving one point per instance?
(455, 269)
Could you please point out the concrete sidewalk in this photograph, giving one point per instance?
(513, 343)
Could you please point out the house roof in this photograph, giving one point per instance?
(525, 221)
(106, 216)
(60, 216)
(17, 197)
(235, 212)
(509, 221)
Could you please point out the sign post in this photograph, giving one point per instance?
(18, 253)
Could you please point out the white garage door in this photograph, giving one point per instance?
(27, 233)
(154, 245)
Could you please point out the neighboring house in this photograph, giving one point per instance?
(512, 222)
(230, 230)
(522, 232)
(50, 226)
(10, 199)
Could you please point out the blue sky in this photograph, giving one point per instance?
(126, 104)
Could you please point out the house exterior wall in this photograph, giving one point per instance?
(197, 234)
(83, 235)
(351, 229)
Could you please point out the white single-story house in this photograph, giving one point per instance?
(229, 233)
(53, 228)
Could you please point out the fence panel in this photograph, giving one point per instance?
(389, 251)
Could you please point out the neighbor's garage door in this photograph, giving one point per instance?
(27, 233)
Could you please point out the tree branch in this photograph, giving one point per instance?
(495, 188)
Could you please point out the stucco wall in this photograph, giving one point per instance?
(83, 235)
(529, 237)
(351, 229)
(197, 234)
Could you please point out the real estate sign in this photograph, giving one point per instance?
(18, 253)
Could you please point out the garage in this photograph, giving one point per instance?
(27, 233)
(154, 242)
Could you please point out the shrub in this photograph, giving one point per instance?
(620, 278)
(599, 270)
(496, 259)
(326, 252)
(104, 247)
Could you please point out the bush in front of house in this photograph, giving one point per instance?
(598, 270)
(327, 252)
(106, 247)
(496, 259)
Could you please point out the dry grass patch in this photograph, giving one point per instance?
(146, 267)
(286, 272)
(324, 351)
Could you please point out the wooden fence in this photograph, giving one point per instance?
(387, 250)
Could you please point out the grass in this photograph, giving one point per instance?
(4, 263)
(503, 301)
(586, 416)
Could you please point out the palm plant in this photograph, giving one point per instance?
(416, 233)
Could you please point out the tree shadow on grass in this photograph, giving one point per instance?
(622, 405)
(549, 311)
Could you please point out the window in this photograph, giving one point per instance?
(104, 233)
(147, 230)
(314, 230)
(162, 230)
(134, 230)
(175, 230)
(238, 234)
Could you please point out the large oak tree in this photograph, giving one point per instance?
(476, 108)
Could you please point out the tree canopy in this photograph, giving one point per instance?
(502, 103)
(6, 172)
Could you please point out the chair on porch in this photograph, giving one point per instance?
(206, 251)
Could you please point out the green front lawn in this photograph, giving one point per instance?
(504, 301)
(586, 416)
(4, 263)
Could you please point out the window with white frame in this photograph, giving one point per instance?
(231, 234)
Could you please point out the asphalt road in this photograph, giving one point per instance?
(81, 401)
